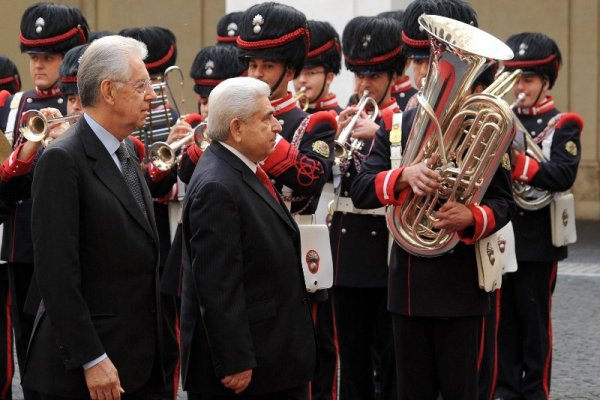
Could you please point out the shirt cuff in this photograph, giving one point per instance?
(94, 362)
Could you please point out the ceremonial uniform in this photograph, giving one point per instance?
(525, 335)
(228, 28)
(434, 300)
(45, 29)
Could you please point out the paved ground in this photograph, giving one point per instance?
(576, 321)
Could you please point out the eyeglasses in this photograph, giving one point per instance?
(311, 73)
(139, 86)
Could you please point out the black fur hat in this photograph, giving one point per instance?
(535, 53)
(416, 41)
(214, 64)
(52, 28)
(275, 31)
(325, 48)
(98, 34)
(397, 15)
(488, 75)
(10, 80)
(67, 82)
(228, 28)
(372, 44)
(161, 44)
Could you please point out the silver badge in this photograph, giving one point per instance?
(39, 24)
(232, 29)
(209, 67)
(257, 21)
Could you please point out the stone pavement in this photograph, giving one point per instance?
(576, 321)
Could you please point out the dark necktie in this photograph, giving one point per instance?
(262, 175)
(131, 178)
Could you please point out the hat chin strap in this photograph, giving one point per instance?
(387, 88)
(276, 85)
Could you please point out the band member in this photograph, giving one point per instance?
(228, 29)
(47, 32)
(10, 83)
(359, 238)
(525, 337)
(403, 89)
(246, 326)
(436, 303)
(322, 64)
(99, 332)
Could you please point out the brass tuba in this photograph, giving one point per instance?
(462, 136)
(528, 197)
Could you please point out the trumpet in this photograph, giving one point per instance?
(162, 155)
(36, 128)
(302, 98)
(341, 148)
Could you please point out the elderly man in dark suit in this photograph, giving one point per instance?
(246, 329)
(98, 331)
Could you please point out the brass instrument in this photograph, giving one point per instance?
(5, 147)
(528, 197)
(345, 146)
(163, 156)
(302, 98)
(35, 127)
(164, 110)
(464, 137)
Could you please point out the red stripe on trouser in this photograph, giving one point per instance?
(313, 313)
(496, 327)
(481, 344)
(9, 345)
(546, 377)
(176, 374)
(336, 344)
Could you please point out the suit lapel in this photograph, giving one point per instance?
(107, 171)
(254, 183)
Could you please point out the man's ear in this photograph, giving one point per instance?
(235, 130)
(108, 91)
(289, 73)
(329, 77)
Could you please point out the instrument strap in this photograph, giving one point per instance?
(12, 116)
(396, 141)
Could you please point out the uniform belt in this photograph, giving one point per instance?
(345, 205)
(308, 219)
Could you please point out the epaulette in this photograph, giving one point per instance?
(321, 117)
(194, 119)
(4, 94)
(140, 149)
(570, 117)
(388, 118)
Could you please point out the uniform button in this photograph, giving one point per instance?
(281, 122)
(533, 133)
(521, 213)
(60, 100)
(273, 181)
(451, 251)
(539, 121)
(29, 100)
(344, 231)
(402, 94)
(373, 233)
(329, 224)
(347, 175)
(345, 193)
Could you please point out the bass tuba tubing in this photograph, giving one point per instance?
(528, 197)
(343, 145)
(463, 136)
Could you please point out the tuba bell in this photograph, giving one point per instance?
(462, 136)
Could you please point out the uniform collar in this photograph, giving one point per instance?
(53, 91)
(392, 105)
(402, 86)
(327, 103)
(545, 105)
(283, 104)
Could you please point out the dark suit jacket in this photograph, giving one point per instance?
(96, 267)
(244, 303)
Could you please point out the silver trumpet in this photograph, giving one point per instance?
(345, 146)
(36, 128)
(163, 155)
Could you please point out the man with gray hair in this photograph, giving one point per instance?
(246, 329)
(98, 330)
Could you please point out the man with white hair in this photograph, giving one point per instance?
(246, 329)
(98, 331)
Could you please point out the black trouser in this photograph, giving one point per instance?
(364, 329)
(488, 367)
(437, 355)
(6, 338)
(324, 383)
(525, 333)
